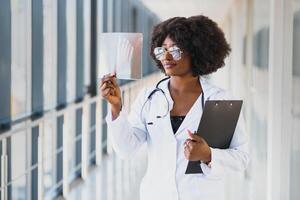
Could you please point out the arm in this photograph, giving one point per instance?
(127, 133)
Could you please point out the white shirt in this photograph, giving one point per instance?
(165, 178)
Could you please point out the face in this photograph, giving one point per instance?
(180, 64)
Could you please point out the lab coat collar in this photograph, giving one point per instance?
(196, 110)
(206, 87)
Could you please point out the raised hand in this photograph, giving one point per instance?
(111, 92)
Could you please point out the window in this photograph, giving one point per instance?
(79, 51)
(71, 50)
(61, 54)
(5, 64)
(37, 57)
(34, 163)
(295, 159)
(21, 59)
(134, 15)
(87, 43)
(59, 153)
(259, 99)
(92, 146)
(50, 54)
(73, 135)
(49, 155)
(17, 166)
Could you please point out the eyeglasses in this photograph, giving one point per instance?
(159, 52)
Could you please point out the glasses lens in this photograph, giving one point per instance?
(175, 52)
(159, 52)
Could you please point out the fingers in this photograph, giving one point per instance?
(109, 77)
(188, 150)
(107, 89)
(108, 85)
(195, 137)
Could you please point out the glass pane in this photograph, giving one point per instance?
(87, 41)
(18, 189)
(78, 140)
(20, 57)
(48, 175)
(18, 154)
(92, 143)
(0, 168)
(71, 50)
(50, 53)
(59, 151)
(17, 165)
(259, 99)
(49, 155)
(295, 159)
(70, 136)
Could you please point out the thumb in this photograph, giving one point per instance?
(194, 136)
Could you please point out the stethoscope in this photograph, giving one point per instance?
(157, 89)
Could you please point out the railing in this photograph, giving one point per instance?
(41, 158)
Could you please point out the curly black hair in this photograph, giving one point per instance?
(198, 36)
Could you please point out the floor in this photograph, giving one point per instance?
(113, 180)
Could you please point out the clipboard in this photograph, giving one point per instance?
(217, 126)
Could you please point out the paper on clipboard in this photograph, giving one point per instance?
(217, 126)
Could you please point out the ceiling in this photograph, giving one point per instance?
(164, 9)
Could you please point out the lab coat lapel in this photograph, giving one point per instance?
(193, 117)
(166, 120)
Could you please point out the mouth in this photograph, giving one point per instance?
(169, 65)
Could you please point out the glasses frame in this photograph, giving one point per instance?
(160, 56)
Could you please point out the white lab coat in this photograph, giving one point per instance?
(165, 178)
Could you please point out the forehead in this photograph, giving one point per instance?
(168, 42)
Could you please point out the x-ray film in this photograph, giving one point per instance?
(120, 53)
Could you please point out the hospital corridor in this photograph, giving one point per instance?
(55, 142)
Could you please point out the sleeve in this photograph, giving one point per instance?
(235, 158)
(128, 133)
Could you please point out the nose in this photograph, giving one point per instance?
(167, 56)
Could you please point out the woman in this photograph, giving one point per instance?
(165, 116)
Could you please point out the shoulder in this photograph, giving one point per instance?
(217, 93)
(222, 94)
(144, 92)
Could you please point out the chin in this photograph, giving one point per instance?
(170, 73)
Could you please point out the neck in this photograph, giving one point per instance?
(185, 84)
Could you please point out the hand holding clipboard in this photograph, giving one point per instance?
(217, 126)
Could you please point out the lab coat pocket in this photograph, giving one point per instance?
(151, 124)
(154, 128)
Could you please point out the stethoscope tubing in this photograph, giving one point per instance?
(157, 89)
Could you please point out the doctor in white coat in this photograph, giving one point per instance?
(165, 115)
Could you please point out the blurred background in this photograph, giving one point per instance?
(53, 139)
